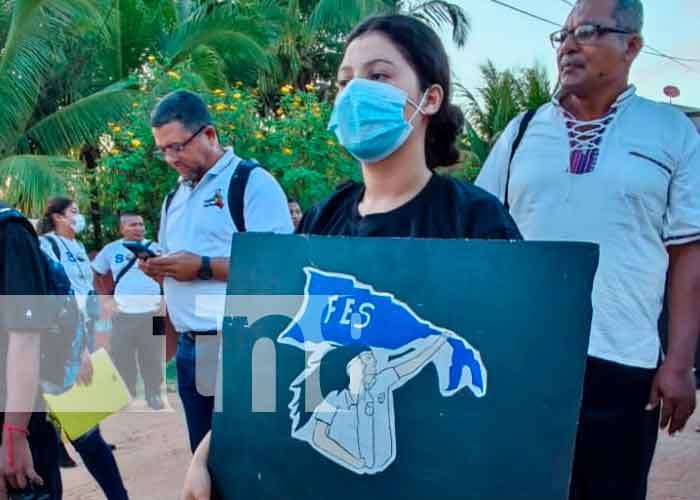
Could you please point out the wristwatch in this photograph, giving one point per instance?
(205, 272)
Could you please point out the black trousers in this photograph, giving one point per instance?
(616, 435)
(133, 337)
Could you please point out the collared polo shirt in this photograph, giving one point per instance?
(199, 221)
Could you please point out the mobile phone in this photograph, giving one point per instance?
(139, 249)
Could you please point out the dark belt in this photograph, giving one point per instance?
(193, 335)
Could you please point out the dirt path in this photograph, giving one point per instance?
(153, 455)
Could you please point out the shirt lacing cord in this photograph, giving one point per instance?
(584, 140)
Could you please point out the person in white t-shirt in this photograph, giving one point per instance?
(136, 300)
(603, 165)
(59, 227)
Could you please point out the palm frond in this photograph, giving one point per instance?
(83, 120)
(37, 28)
(209, 65)
(27, 181)
(342, 15)
(227, 30)
(438, 13)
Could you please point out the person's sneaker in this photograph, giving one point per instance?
(155, 402)
(64, 459)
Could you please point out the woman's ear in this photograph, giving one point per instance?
(433, 99)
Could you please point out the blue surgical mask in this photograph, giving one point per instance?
(368, 119)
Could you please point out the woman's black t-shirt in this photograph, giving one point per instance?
(445, 208)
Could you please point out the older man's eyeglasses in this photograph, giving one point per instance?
(584, 34)
(177, 147)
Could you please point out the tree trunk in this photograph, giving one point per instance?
(89, 155)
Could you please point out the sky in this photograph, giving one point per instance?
(513, 40)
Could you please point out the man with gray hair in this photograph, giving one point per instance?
(603, 165)
(218, 195)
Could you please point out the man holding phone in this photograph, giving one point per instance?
(133, 300)
(218, 194)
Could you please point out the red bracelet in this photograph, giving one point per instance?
(10, 429)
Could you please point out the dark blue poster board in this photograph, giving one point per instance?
(396, 368)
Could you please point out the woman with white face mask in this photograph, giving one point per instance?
(61, 223)
(59, 226)
(393, 113)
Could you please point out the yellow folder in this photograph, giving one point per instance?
(82, 407)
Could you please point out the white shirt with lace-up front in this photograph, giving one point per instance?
(629, 182)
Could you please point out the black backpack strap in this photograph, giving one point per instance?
(8, 214)
(125, 270)
(169, 197)
(236, 192)
(54, 246)
(524, 123)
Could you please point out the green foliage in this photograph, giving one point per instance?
(503, 96)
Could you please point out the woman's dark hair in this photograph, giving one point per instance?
(54, 206)
(424, 51)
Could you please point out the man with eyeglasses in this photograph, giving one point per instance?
(218, 195)
(603, 165)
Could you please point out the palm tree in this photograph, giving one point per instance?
(503, 95)
(52, 119)
(343, 15)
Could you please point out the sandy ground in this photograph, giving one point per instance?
(153, 454)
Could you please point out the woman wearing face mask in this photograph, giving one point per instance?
(393, 113)
(59, 226)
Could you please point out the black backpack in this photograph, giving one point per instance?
(61, 306)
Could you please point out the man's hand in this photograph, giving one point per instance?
(675, 389)
(182, 266)
(21, 473)
(85, 373)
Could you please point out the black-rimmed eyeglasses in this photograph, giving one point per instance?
(177, 147)
(584, 34)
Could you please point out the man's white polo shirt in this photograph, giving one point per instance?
(642, 194)
(199, 221)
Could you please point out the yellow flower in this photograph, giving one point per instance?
(151, 59)
(259, 135)
(297, 98)
(135, 104)
(135, 143)
(116, 130)
(219, 92)
(115, 151)
(279, 112)
(233, 107)
(232, 127)
(287, 151)
(286, 89)
(130, 134)
(220, 106)
(330, 142)
(296, 105)
(174, 75)
(237, 95)
(310, 87)
(239, 83)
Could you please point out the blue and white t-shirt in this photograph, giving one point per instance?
(136, 293)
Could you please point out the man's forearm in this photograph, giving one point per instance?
(22, 376)
(219, 267)
(684, 305)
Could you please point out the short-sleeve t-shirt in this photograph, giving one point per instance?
(135, 292)
(74, 259)
(445, 208)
